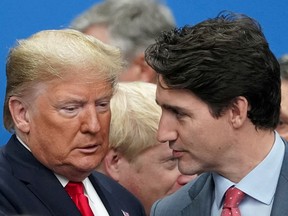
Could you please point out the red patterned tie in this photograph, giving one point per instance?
(233, 197)
(76, 192)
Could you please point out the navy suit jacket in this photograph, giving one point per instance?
(29, 188)
(196, 198)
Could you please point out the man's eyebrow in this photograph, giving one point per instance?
(171, 107)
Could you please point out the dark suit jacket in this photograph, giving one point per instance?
(27, 187)
(196, 198)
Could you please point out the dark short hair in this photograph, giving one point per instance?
(219, 60)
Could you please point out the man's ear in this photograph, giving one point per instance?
(112, 164)
(19, 114)
(147, 74)
(239, 110)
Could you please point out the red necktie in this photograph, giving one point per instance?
(233, 197)
(76, 192)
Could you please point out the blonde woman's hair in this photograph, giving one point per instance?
(135, 118)
(52, 54)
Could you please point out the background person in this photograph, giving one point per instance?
(129, 25)
(59, 86)
(219, 90)
(136, 160)
(282, 127)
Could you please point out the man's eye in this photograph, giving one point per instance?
(103, 106)
(177, 113)
(70, 108)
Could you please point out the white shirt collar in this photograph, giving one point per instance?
(261, 182)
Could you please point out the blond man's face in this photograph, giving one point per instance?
(152, 175)
(69, 124)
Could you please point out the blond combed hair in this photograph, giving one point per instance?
(51, 54)
(135, 118)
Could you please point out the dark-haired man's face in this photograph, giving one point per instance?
(199, 141)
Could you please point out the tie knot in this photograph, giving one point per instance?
(76, 192)
(233, 197)
(74, 188)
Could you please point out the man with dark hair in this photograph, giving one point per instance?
(219, 90)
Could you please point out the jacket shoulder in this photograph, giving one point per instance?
(173, 205)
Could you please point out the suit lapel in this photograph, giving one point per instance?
(201, 194)
(280, 207)
(108, 200)
(53, 196)
(40, 181)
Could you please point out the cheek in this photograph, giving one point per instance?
(130, 179)
(104, 121)
(51, 137)
(202, 133)
(169, 177)
(163, 184)
(49, 124)
(164, 178)
(48, 153)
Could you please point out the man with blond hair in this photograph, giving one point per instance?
(136, 159)
(59, 86)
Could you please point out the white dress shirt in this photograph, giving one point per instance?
(259, 185)
(95, 202)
